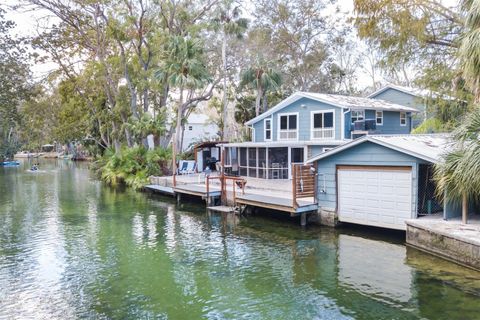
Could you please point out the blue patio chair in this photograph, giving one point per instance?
(183, 168)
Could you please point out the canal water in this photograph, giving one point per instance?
(72, 248)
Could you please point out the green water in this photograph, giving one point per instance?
(71, 248)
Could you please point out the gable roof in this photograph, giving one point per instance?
(428, 147)
(417, 92)
(340, 101)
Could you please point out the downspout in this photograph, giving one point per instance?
(343, 124)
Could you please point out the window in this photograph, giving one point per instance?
(323, 124)
(379, 117)
(327, 149)
(358, 115)
(403, 119)
(268, 129)
(190, 128)
(288, 127)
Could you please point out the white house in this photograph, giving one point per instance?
(198, 128)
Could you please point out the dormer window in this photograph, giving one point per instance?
(358, 115)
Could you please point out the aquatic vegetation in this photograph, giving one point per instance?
(133, 166)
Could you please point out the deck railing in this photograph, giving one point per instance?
(288, 134)
(304, 182)
(323, 133)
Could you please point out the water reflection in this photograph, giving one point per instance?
(71, 248)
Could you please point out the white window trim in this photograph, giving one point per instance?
(265, 129)
(381, 123)
(278, 125)
(312, 113)
(351, 114)
(400, 115)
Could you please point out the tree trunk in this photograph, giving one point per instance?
(257, 101)
(224, 129)
(178, 125)
(116, 143)
(265, 102)
(464, 208)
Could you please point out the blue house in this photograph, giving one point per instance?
(307, 124)
(410, 97)
(381, 180)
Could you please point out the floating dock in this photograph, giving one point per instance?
(160, 189)
(276, 203)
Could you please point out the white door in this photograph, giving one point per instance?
(375, 196)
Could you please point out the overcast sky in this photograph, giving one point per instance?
(27, 22)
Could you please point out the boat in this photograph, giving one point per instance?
(9, 163)
(26, 154)
(36, 171)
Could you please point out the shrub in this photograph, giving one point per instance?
(133, 166)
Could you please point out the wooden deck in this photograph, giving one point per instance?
(225, 209)
(197, 190)
(160, 189)
(276, 203)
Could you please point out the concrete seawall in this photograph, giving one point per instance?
(451, 240)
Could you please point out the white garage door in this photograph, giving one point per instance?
(375, 196)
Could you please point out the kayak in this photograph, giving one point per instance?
(35, 171)
(10, 163)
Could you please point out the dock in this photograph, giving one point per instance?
(294, 197)
(276, 203)
(160, 189)
(224, 209)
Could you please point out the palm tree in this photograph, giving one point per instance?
(457, 174)
(183, 67)
(469, 51)
(262, 77)
(229, 23)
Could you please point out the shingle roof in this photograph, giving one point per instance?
(422, 93)
(355, 103)
(428, 147)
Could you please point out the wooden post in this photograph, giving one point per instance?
(315, 182)
(174, 163)
(223, 194)
(208, 190)
(294, 186)
(303, 219)
(464, 208)
(234, 182)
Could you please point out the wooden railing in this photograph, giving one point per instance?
(304, 182)
(237, 181)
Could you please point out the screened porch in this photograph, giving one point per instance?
(262, 161)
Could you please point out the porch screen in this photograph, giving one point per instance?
(278, 163)
(243, 161)
(252, 162)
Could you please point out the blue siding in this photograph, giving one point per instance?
(304, 121)
(259, 131)
(391, 123)
(304, 108)
(405, 99)
(401, 98)
(367, 153)
(315, 150)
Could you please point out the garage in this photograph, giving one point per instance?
(373, 195)
(379, 180)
